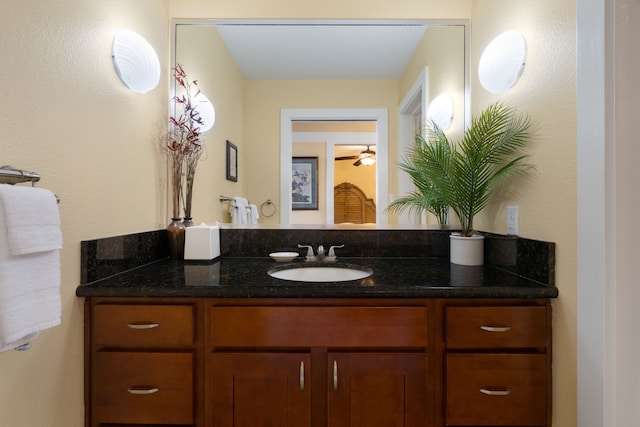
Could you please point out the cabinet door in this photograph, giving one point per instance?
(377, 389)
(260, 389)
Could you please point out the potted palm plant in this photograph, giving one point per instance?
(425, 197)
(464, 175)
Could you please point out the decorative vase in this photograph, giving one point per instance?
(175, 232)
(466, 250)
(191, 163)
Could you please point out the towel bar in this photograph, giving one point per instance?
(11, 175)
(226, 199)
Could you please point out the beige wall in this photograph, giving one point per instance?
(67, 116)
(330, 9)
(204, 56)
(547, 198)
(442, 51)
(627, 194)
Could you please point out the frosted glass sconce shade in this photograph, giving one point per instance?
(135, 61)
(502, 62)
(206, 110)
(440, 111)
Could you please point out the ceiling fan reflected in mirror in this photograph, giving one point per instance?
(366, 157)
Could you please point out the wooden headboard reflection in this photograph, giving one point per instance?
(351, 205)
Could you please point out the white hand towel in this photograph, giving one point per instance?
(240, 201)
(32, 219)
(29, 292)
(238, 210)
(253, 214)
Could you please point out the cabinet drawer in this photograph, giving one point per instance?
(133, 325)
(143, 388)
(496, 327)
(496, 390)
(318, 326)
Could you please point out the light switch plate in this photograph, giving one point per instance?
(512, 220)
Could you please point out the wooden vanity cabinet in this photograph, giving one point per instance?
(144, 362)
(371, 362)
(497, 364)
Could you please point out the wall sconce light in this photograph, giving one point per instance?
(440, 111)
(502, 62)
(206, 110)
(135, 61)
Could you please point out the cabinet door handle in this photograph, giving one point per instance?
(143, 389)
(335, 375)
(142, 325)
(496, 392)
(302, 376)
(495, 328)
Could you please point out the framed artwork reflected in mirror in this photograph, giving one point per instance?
(304, 183)
(232, 162)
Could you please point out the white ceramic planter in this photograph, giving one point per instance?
(466, 250)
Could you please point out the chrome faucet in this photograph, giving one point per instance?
(332, 253)
(310, 256)
(331, 257)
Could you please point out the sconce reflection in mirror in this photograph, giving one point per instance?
(135, 61)
(502, 62)
(206, 110)
(440, 111)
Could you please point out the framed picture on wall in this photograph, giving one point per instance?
(304, 183)
(232, 162)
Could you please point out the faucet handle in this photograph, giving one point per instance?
(332, 253)
(309, 251)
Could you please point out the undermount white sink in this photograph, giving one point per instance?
(320, 273)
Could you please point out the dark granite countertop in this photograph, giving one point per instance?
(246, 277)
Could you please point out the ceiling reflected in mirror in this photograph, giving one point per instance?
(322, 50)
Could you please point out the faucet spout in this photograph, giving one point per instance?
(332, 254)
(310, 256)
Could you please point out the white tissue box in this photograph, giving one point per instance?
(202, 242)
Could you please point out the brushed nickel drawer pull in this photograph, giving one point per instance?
(335, 375)
(302, 376)
(143, 390)
(496, 328)
(142, 325)
(494, 392)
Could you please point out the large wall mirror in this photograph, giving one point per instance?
(330, 90)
